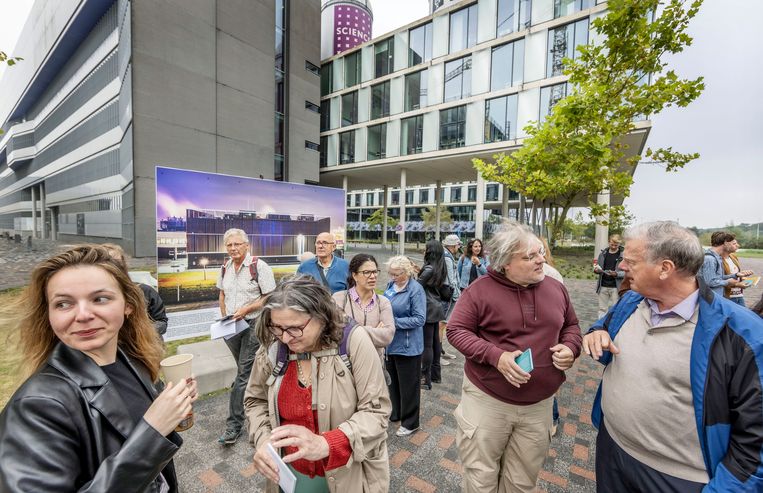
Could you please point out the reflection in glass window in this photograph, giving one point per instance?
(507, 65)
(352, 69)
(562, 43)
(491, 192)
(453, 127)
(325, 115)
(357, 200)
(327, 78)
(377, 141)
(424, 196)
(369, 198)
(395, 199)
(471, 193)
(513, 16)
(409, 196)
(324, 151)
(458, 79)
(347, 147)
(455, 194)
(420, 44)
(350, 108)
(380, 100)
(501, 119)
(416, 90)
(411, 135)
(384, 53)
(463, 29)
(549, 96)
(569, 7)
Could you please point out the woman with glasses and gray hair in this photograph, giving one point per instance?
(361, 303)
(318, 394)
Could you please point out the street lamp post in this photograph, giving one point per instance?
(204, 261)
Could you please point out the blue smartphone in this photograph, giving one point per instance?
(525, 360)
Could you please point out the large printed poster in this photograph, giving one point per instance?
(194, 209)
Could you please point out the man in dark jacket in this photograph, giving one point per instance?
(610, 274)
(680, 407)
(504, 418)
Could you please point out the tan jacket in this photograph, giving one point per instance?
(382, 312)
(356, 402)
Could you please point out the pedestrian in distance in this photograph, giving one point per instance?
(610, 276)
(472, 264)
(721, 270)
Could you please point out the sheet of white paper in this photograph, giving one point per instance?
(240, 326)
(222, 329)
(286, 479)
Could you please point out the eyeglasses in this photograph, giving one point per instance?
(293, 331)
(234, 245)
(395, 275)
(323, 243)
(532, 256)
(369, 273)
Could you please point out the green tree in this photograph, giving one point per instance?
(429, 216)
(377, 219)
(578, 151)
(4, 58)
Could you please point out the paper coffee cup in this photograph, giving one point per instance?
(176, 368)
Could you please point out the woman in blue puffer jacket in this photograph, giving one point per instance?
(472, 264)
(409, 307)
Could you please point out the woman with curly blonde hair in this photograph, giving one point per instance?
(88, 417)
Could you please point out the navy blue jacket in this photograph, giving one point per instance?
(726, 380)
(336, 275)
(409, 308)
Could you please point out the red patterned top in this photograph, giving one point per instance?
(295, 408)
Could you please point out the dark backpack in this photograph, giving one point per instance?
(252, 270)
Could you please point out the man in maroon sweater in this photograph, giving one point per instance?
(504, 418)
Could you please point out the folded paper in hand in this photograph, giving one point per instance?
(227, 328)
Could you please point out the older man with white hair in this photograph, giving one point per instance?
(680, 407)
(244, 280)
(518, 331)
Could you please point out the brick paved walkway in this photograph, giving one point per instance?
(427, 461)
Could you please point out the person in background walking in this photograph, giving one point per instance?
(434, 280)
(472, 264)
(607, 267)
(720, 269)
(409, 306)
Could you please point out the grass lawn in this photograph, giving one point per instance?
(9, 356)
(750, 253)
(574, 262)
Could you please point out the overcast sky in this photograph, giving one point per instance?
(725, 125)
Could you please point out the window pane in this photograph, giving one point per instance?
(416, 90)
(325, 115)
(519, 63)
(347, 147)
(458, 79)
(383, 57)
(491, 192)
(280, 99)
(350, 108)
(424, 196)
(564, 7)
(452, 127)
(352, 69)
(511, 116)
(458, 30)
(495, 120)
(380, 100)
(508, 17)
(455, 194)
(324, 152)
(581, 35)
(501, 66)
(471, 36)
(377, 141)
(411, 135)
(279, 134)
(558, 42)
(549, 96)
(466, 89)
(471, 193)
(327, 79)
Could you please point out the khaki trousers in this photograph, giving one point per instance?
(502, 446)
(607, 298)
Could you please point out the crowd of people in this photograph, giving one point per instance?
(329, 363)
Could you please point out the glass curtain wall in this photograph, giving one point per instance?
(507, 65)
(562, 43)
(415, 90)
(569, 7)
(420, 44)
(352, 69)
(380, 100)
(384, 54)
(513, 16)
(327, 78)
(350, 108)
(377, 141)
(347, 147)
(463, 29)
(501, 119)
(549, 96)
(453, 127)
(279, 157)
(411, 135)
(458, 79)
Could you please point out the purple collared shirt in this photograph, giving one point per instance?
(356, 299)
(684, 309)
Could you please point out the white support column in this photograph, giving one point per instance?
(34, 211)
(384, 223)
(437, 204)
(479, 209)
(505, 201)
(54, 223)
(345, 183)
(403, 177)
(601, 238)
(43, 230)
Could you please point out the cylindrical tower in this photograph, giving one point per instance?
(435, 5)
(344, 25)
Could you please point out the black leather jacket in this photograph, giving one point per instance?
(67, 429)
(155, 307)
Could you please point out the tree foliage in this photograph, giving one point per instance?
(578, 151)
(429, 216)
(377, 219)
(10, 61)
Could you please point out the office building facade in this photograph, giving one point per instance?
(110, 89)
(411, 108)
